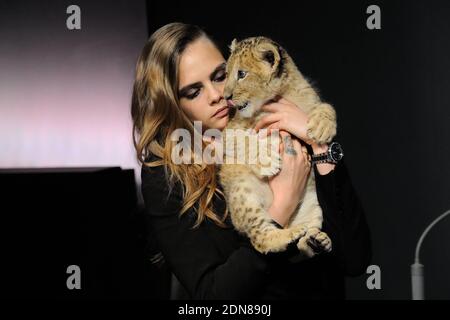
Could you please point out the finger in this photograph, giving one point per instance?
(285, 101)
(306, 156)
(267, 120)
(284, 134)
(281, 147)
(271, 107)
(290, 146)
(284, 137)
(304, 153)
(274, 126)
(270, 128)
(297, 146)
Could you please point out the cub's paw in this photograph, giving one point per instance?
(269, 171)
(298, 231)
(272, 169)
(322, 125)
(270, 161)
(319, 241)
(314, 242)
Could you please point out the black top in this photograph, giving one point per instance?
(216, 263)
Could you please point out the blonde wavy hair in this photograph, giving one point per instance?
(156, 113)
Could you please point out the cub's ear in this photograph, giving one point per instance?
(270, 53)
(233, 45)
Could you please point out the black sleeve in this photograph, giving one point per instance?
(344, 220)
(190, 254)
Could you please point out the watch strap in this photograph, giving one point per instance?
(321, 158)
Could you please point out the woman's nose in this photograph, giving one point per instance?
(214, 94)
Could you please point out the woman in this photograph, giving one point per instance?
(180, 79)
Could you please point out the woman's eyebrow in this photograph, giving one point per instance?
(183, 91)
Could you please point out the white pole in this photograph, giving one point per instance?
(417, 269)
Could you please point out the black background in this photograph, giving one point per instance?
(391, 90)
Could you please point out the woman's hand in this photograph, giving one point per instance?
(284, 115)
(289, 184)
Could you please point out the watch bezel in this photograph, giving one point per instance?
(331, 148)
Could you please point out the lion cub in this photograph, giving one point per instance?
(259, 70)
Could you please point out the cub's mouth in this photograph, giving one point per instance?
(234, 105)
(242, 106)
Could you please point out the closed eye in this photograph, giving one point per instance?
(193, 90)
(221, 76)
(192, 95)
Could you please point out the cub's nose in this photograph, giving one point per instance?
(229, 97)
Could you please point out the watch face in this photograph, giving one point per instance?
(336, 152)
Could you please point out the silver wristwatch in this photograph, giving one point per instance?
(333, 155)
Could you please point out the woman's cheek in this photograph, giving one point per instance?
(192, 110)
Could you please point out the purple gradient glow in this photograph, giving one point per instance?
(65, 95)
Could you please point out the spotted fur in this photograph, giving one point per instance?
(270, 73)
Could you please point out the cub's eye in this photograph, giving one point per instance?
(241, 74)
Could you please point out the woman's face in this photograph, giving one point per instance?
(201, 83)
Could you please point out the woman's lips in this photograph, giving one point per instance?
(222, 112)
